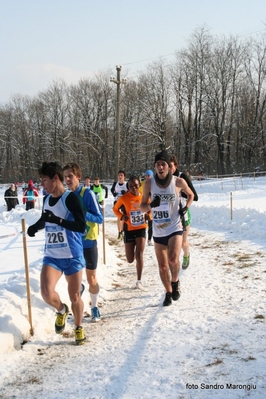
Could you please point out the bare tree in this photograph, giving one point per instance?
(208, 109)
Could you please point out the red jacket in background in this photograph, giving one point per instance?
(30, 193)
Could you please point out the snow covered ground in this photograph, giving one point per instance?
(210, 343)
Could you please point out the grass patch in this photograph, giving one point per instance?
(245, 265)
(215, 363)
(249, 358)
(245, 260)
(229, 263)
(33, 380)
(259, 317)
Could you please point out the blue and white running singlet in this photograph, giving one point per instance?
(61, 243)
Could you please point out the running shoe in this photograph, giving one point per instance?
(95, 314)
(150, 243)
(120, 236)
(60, 321)
(79, 335)
(168, 299)
(139, 285)
(176, 292)
(185, 263)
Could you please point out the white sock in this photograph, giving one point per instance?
(63, 310)
(94, 300)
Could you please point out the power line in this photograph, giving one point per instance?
(166, 55)
(149, 59)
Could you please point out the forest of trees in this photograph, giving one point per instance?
(207, 108)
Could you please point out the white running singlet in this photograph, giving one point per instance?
(119, 188)
(166, 218)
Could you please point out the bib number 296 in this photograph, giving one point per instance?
(160, 215)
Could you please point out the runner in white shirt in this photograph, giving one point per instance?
(118, 189)
(164, 190)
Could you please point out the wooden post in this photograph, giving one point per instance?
(231, 206)
(27, 273)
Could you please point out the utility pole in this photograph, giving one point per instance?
(118, 82)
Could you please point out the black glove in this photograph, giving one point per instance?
(156, 202)
(31, 231)
(183, 211)
(48, 216)
(123, 192)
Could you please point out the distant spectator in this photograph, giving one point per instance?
(23, 185)
(200, 176)
(189, 176)
(87, 182)
(11, 197)
(29, 196)
(98, 189)
(257, 170)
(118, 189)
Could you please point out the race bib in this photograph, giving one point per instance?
(137, 218)
(56, 237)
(162, 213)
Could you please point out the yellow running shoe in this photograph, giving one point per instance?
(79, 335)
(60, 321)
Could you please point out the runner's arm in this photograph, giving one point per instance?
(106, 190)
(117, 206)
(182, 185)
(190, 185)
(144, 206)
(74, 206)
(93, 211)
(113, 189)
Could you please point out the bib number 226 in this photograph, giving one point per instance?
(54, 238)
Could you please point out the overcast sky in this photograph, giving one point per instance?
(42, 40)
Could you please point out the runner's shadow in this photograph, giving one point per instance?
(121, 379)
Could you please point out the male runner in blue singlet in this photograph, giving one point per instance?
(64, 223)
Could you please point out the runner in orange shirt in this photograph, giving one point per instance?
(127, 208)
